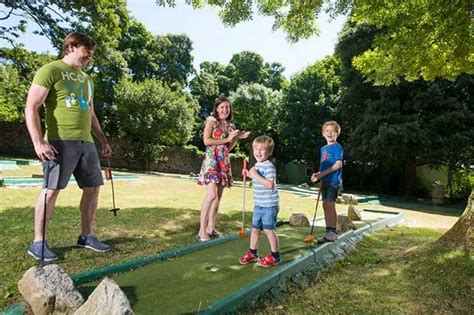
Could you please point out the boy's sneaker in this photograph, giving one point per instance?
(36, 248)
(248, 258)
(268, 261)
(93, 243)
(328, 237)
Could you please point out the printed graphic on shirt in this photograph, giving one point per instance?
(74, 88)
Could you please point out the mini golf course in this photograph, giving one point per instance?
(206, 278)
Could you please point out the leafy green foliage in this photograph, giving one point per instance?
(102, 19)
(419, 39)
(255, 108)
(17, 67)
(12, 94)
(309, 101)
(150, 116)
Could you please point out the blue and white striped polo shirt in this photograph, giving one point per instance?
(263, 196)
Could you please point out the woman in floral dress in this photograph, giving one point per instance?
(220, 137)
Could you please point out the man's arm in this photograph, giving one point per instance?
(97, 131)
(36, 96)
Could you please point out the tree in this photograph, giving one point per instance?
(255, 107)
(462, 233)
(273, 77)
(17, 68)
(102, 19)
(419, 39)
(245, 67)
(167, 58)
(150, 117)
(309, 100)
(12, 94)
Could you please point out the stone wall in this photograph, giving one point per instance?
(15, 142)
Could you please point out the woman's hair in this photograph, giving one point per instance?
(219, 101)
(333, 124)
(266, 141)
(77, 39)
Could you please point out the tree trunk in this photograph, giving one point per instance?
(410, 176)
(462, 234)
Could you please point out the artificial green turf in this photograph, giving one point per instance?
(194, 281)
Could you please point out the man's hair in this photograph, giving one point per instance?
(266, 141)
(334, 124)
(219, 101)
(77, 39)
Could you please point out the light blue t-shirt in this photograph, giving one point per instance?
(263, 196)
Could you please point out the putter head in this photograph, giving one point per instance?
(309, 239)
(242, 234)
(114, 210)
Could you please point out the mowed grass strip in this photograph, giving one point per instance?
(398, 271)
(157, 213)
(192, 282)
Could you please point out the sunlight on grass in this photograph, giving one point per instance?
(382, 277)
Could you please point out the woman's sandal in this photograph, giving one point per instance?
(200, 240)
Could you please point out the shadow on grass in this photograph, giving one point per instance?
(135, 232)
(398, 271)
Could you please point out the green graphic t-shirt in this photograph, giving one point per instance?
(68, 115)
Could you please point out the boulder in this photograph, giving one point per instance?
(106, 299)
(299, 219)
(49, 290)
(353, 213)
(344, 224)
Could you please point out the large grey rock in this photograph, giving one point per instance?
(299, 219)
(353, 213)
(49, 290)
(106, 299)
(344, 224)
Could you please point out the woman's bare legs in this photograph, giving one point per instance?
(211, 196)
(211, 223)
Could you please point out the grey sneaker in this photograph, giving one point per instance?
(36, 249)
(93, 243)
(328, 237)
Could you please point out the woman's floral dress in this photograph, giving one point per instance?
(216, 165)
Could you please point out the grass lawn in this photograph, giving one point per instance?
(161, 212)
(399, 271)
(157, 213)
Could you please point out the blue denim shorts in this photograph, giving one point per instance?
(264, 218)
(330, 192)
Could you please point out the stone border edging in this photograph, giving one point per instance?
(274, 284)
(95, 274)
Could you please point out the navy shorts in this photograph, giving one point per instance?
(264, 218)
(74, 157)
(330, 192)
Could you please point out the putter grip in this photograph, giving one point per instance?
(108, 173)
(244, 168)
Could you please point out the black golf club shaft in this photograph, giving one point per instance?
(114, 209)
(46, 174)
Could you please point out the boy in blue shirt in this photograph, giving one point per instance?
(330, 173)
(266, 204)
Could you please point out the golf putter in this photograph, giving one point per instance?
(310, 237)
(46, 175)
(108, 176)
(244, 177)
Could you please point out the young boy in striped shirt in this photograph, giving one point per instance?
(266, 204)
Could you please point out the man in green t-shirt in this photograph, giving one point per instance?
(67, 146)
